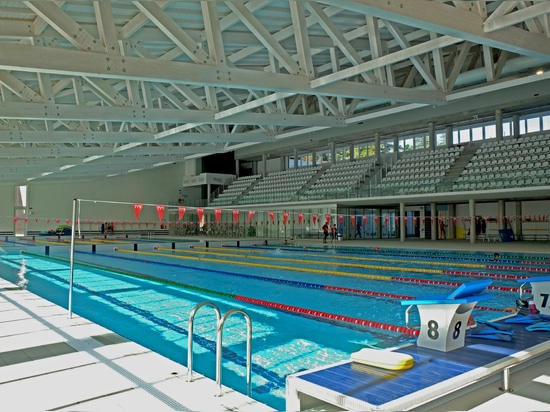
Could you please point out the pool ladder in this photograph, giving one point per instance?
(220, 321)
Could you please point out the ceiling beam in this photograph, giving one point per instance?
(434, 16)
(25, 111)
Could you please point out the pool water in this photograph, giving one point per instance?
(146, 295)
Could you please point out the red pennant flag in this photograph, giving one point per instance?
(15, 218)
(26, 219)
(300, 218)
(181, 212)
(272, 216)
(235, 215)
(36, 219)
(57, 220)
(67, 221)
(285, 217)
(364, 221)
(160, 211)
(340, 219)
(218, 215)
(454, 220)
(314, 216)
(251, 214)
(376, 219)
(415, 221)
(200, 213)
(406, 220)
(353, 220)
(327, 217)
(137, 210)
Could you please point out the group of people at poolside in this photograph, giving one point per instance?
(333, 232)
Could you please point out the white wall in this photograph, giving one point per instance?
(55, 200)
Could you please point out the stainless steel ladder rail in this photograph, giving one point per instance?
(219, 340)
(190, 335)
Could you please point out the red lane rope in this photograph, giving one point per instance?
(519, 268)
(330, 316)
(480, 274)
(443, 282)
(367, 292)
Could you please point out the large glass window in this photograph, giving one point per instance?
(546, 122)
(490, 131)
(441, 138)
(533, 124)
(477, 133)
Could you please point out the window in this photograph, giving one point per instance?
(441, 139)
(477, 133)
(533, 125)
(490, 131)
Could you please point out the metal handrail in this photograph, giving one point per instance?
(190, 335)
(522, 294)
(219, 339)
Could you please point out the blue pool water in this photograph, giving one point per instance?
(115, 286)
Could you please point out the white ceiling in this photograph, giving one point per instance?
(95, 88)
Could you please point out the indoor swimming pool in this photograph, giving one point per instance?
(309, 306)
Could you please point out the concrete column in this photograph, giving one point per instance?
(333, 152)
(431, 135)
(314, 158)
(402, 228)
(498, 123)
(433, 220)
(518, 230)
(452, 217)
(295, 158)
(378, 224)
(351, 152)
(501, 213)
(264, 165)
(449, 136)
(515, 125)
(472, 207)
(237, 168)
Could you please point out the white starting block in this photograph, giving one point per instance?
(444, 319)
(541, 292)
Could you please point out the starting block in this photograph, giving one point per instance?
(541, 292)
(444, 319)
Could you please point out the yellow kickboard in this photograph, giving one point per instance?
(385, 359)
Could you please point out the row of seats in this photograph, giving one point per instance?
(346, 175)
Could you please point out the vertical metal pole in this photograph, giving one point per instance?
(71, 270)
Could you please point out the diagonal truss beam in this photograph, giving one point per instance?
(434, 16)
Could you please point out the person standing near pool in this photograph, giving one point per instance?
(325, 232)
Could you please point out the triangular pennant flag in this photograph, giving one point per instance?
(251, 214)
(235, 215)
(137, 210)
(300, 218)
(160, 211)
(285, 217)
(200, 213)
(314, 217)
(218, 215)
(181, 212)
(271, 216)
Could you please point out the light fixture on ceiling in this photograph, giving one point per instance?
(540, 71)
